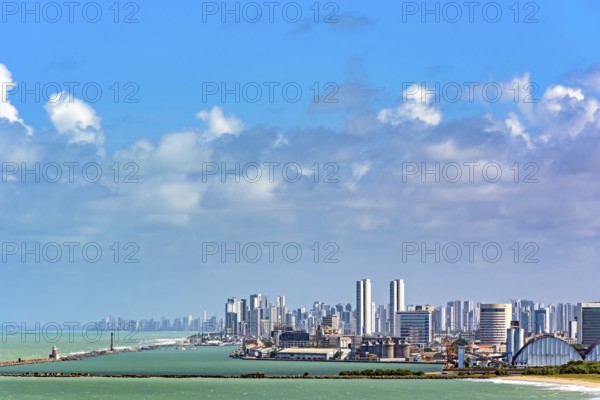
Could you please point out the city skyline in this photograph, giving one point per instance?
(369, 317)
(408, 304)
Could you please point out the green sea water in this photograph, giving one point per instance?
(200, 361)
(294, 389)
(215, 361)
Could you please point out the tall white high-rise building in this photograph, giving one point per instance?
(364, 314)
(396, 301)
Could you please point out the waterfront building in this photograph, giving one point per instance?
(295, 339)
(383, 348)
(306, 354)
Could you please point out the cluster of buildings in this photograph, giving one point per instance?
(184, 324)
(385, 330)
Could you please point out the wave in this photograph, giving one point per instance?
(140, 343)
(163, 341)
(558, 386)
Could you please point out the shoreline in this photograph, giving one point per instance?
(553, 379)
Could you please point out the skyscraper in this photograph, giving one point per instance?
(396, 301)
(363, 307)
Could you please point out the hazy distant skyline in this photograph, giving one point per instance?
(367, 207)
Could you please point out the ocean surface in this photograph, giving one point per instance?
(207, 360)
(289, 389)
(215, 361)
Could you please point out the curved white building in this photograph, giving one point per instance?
(546, 351)
(593, 353)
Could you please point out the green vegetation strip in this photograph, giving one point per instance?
(382, 372)
(573, 367)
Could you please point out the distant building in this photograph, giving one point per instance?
(231, 323)
(494, 321)
(573, 329)
(526, 322)
(425, 307)
(588, 328)
(439, 319)
(416, 327)
(254, 326)
(364, 322)
(332, 322)
(542, 320)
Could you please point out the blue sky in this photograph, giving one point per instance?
(368, 54)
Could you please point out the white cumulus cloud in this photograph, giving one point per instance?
(566, 111)
(75, 118)
(415, 106)
(219, 124)
(517, 129)
(7, 109)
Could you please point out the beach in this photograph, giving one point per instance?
(589, 381)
